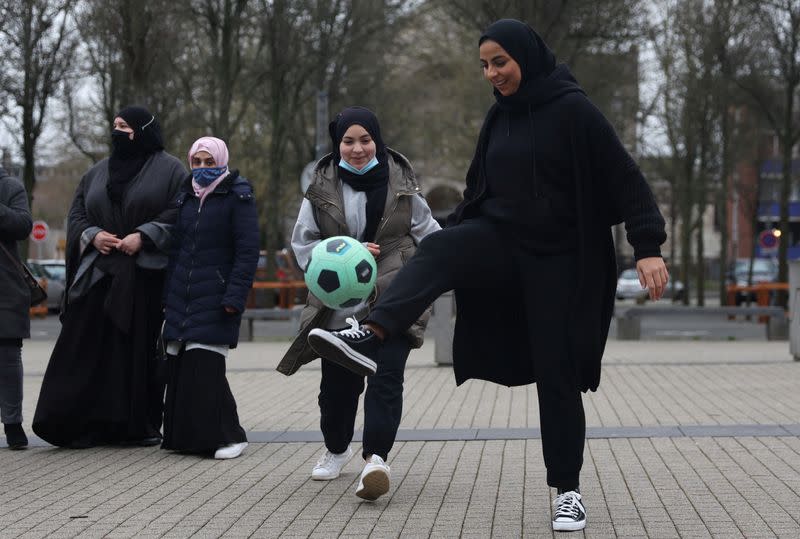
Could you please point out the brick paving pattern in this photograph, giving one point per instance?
(687, 439)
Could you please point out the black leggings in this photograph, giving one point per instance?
(470, 256)
(340, 388)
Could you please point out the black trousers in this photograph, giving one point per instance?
(10, 383)
(339, 391)
(470, 256)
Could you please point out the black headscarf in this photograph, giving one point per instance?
(542, 80)
(375, 183)
(129, 156)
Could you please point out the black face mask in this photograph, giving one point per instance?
(122, 145)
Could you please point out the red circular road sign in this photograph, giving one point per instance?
(768, 239)
(39, 231)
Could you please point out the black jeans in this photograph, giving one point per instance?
(10, 383)
(339, 391)
(470, 256)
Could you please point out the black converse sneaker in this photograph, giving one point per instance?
(568, 512)
(352, 348)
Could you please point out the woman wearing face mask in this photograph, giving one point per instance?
(369, 192)
(210, 273)
(548, 180)
(102, 384)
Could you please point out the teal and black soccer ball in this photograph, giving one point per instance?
(342, 272)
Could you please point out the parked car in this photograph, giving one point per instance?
(628, 287)
(765, 270)
(54, 272)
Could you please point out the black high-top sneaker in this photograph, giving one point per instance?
(353, 348)
(15, 436)
(569, 514)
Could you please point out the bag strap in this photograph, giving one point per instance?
(11, 257)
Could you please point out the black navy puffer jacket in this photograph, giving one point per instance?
(212, 263)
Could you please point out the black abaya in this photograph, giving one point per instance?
(200, 411)
(104, 386)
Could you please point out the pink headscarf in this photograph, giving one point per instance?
(219, 151)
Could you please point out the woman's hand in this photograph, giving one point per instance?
(653, 275)
(131, 244)
(104, 242)
(230, 310)
(373, 248)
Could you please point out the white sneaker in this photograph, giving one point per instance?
(330, 464)
(230, 451)
(569, 514)
(374, 481)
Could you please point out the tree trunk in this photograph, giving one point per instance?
(686, 206)
(722, 204)
(786, 233)
(701, 270)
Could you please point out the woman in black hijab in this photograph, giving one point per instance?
(369, 192)
(548, 180)
(102, 384)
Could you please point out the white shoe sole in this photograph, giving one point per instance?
(221, 455)
(569, 526)
(324, 477)
(333, 349)
(373, 485)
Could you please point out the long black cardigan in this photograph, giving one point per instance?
(610, 189)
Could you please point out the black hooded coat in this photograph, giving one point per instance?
(569, 134)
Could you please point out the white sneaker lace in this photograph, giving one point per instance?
(355, 331)
(568, 505)
(325, 460)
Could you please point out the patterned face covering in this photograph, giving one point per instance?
(205, 176)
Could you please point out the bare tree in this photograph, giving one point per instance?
(688, 116)
(129, 49)
(231, 51)
(728, 41)
(571, 27)
(770, 76)
(37, 47)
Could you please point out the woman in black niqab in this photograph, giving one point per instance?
(103, 383)
(128, 155)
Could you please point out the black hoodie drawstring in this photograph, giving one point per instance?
(536, 193)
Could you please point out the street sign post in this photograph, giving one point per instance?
(768, 241)
(38, 235)
(39, 231)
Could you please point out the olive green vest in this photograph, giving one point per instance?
(393, 235)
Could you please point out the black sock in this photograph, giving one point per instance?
(567, 489)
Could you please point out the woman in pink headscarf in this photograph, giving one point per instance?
(210, 273)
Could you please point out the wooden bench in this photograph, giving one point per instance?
(762, 292)
(287, 290)
(629, 323)
(275, 313)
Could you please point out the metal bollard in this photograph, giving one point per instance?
(443, 323)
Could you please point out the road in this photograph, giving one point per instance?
(655, 327)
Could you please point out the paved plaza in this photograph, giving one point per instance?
(685, 439)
